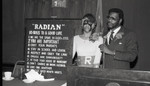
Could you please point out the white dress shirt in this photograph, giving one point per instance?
(115, 32)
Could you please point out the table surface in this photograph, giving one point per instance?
(17, 82)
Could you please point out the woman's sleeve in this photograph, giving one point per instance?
(74, 46)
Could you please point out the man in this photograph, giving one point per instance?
(121, 47)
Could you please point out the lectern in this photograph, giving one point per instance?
(81, 76)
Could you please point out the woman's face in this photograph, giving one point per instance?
(87, 25)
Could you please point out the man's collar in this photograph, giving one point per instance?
(116, 30)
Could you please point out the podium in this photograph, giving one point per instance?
(81, 76)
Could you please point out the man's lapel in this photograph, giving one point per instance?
(122, 30)
(116, 40)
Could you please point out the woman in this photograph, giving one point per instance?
(86, 44)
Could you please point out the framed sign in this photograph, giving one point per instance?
(59, 3)
(47, 45)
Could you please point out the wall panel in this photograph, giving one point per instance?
(74, 9)
(13, 30)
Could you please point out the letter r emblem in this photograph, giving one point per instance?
(88, 60)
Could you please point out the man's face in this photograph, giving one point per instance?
(87, 25)
(113, 20)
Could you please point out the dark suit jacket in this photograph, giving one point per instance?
(126, 50)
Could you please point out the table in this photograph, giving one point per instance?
(17, 82)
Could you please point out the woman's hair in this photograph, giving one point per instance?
(91, 17)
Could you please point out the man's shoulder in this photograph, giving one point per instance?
(129, 33)
(127, 30)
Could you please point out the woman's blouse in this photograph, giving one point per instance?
(88, 52)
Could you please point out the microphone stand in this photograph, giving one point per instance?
(103, 65)
(103, 54)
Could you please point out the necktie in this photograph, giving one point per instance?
(111, 37)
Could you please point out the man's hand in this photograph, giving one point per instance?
(105, 49)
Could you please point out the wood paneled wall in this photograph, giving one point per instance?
(13, 30)
(74, 9)
(16, 11)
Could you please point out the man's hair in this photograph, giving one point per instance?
(117, 10)
(90, 17)
(120, 13)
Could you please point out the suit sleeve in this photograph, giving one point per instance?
(131, 51)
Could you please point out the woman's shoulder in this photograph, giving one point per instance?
(76, 36)
(100, 39)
